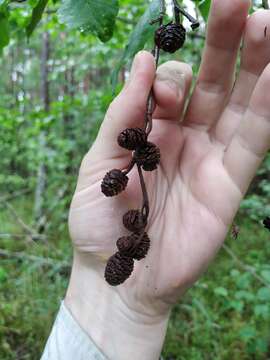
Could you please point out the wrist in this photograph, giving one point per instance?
(118, 330)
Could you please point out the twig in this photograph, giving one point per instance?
(20, 236)
(245, 267)
(43, 261)
(29, 231)
(145, 204)
(156, 52)
(43, 222)
(10, 236)
(14, 195)
(179, 10)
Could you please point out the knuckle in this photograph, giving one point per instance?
(257, 23)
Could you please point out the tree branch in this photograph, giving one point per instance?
(63, 265)
(245, 267)
(14, 195)
(29, 231)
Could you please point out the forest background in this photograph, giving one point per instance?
(56, 84)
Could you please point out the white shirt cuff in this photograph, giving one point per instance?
(68, 341)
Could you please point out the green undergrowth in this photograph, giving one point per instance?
(225, 316)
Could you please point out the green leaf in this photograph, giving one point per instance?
(4, 29)
(244, 295)
(3, 274)
(204, 7)
(264, 294)
(36, 16)
(142, 32)
(261, 310)
(221, 291)
(266, 275)
(93, 16)
(247, 333)
(236, 305)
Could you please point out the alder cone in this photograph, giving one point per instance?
(118, 269)
(128, 247)
(266, 223)
(133, 220)
(114, 182)
(132, 139)
(170, 37)
(148, 156)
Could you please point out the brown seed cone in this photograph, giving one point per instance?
(148, 156)
(127, 246)
(114, 182)
(266, 223)
(132, 139)
(118, 269)
(170, 37)
(133, 220)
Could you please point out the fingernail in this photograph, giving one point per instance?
(172, 78)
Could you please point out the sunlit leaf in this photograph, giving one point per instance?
(141, 33)
(4, 29)
(204, 7)
(97, 17)
(36, 16)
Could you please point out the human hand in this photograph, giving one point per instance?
(207, 162)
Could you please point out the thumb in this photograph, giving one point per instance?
(127, 109)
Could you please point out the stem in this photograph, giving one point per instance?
(130, 166)
(144, 210)
(150, 102)
(145, 203)
(265, 4)
(176, 12)
(178, 9)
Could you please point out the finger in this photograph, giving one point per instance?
(171, 86)
(226, 24)
(251, 142)
(255, 56)
(128, 108)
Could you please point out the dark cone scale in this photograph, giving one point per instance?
(266, 223)
(148, 156)
(118, 269)
(114, 182)
(127, 246)
(170, 37)
(132, 139)
(133, 220)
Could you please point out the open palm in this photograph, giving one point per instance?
(207, 159)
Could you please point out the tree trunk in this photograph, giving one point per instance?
(45, 98)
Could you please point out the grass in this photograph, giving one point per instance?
(225, 316)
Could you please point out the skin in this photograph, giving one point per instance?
(210, 154)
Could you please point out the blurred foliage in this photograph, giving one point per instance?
(226, 315)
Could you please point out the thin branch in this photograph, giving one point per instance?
(14, 195)
(145, 204)
(29, 231)
(156, 52)
(245, 267)
(21, 236)
(38, 259)
(43, 222)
